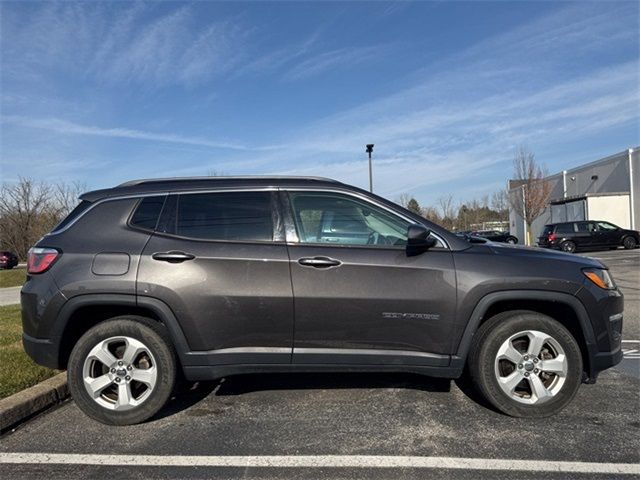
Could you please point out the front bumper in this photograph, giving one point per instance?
(606, 312)
(601, 361)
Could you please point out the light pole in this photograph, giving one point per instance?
(524, 214)
(370, 151)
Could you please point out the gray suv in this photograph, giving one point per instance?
(210, 277)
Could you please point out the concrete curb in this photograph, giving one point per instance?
(25, 404)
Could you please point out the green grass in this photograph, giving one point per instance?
(17, 370)
(12, 278)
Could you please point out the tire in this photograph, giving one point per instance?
(494, 377)
(629, 243)
(512, 240)
(568, 246)
(124, 396)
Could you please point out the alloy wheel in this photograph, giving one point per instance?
(531, 367)
(119, 373)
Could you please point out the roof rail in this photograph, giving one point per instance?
(144, 181)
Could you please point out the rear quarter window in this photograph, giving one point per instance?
(147, 213)
(82, 207)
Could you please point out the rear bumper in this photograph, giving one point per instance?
(43, 351)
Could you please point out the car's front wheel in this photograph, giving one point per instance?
(122, 371)
(629, 243)
(526, 364)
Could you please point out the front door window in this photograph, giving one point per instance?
(335, 219)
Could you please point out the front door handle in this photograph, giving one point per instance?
(319, 262)
(173, 256)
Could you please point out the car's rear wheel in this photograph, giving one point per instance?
(526, 364)
(629, 243)
(568, 246)
(512, 240)
(122, 371)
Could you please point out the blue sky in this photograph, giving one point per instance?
(106, 92)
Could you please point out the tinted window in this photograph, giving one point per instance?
(147, 213)
(226, 216)
(341, 220)
(565, 228)
(606, 227)
(75, 213)
(586, 227)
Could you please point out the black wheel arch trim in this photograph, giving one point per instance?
(159, 308)
(460, 357)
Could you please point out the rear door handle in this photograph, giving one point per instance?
(319, 262)
(173, 256)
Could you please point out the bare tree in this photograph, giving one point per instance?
(65, 196)
(26, 214)
(29, 209)
(500, 203)
(431, 213)
(404, 200)
(448, 211)
(531, 201)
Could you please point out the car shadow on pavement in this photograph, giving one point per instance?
(241, 384)
(189, 394)
(186, 395)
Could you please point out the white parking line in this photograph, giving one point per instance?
(321, 461)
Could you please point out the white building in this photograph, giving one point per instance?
(606, 189)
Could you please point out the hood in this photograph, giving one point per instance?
(543, 253)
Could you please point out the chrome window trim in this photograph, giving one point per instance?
(159, 194)
(348, 192)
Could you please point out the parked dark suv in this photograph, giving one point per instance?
(571, 236)
(221, 276)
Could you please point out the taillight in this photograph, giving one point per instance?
(552, 237)
(41, 259)
(3, 258)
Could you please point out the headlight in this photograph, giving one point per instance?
(600, 277)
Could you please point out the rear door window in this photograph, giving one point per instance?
(565, 228)
(228, 216)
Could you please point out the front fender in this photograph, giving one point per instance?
(481, 308)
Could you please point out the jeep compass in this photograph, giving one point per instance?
(210, 277)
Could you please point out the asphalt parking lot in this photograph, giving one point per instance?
(351, 426)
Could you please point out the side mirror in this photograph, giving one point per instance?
(419, 240)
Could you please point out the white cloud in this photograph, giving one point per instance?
(335, 59)
(138, 44)
(70, 128)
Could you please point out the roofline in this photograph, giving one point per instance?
(145, 181)
(569, 171)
